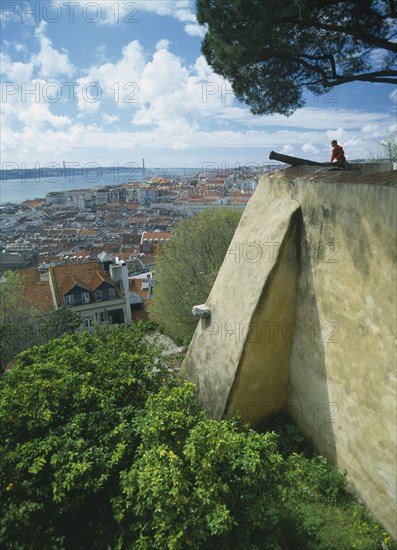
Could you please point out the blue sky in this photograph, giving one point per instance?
(113, 82)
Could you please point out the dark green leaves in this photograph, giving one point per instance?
(271, 51)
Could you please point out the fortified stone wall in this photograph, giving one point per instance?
(303, 317)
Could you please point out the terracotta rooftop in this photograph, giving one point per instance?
(82, 274)
(159, 235)
(72, 281)
(135, 285)
(33, 203)
(36, 293)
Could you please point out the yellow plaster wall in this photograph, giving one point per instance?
(314, 333)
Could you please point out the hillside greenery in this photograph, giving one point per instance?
(186, 269)
(102, 446)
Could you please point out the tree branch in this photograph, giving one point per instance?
(355, 32)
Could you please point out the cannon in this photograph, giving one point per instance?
(296, 161)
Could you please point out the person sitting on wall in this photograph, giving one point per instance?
(338, 154)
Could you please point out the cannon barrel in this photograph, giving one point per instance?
(295, 161)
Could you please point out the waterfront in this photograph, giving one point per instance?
(16, 189)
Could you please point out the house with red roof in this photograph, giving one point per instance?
(97, 291)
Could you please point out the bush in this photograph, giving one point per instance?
(102, 448)
(319, 513)
(66, 413)
(197, 482)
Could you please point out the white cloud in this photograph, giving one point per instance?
(38, 115)
(309, 148)
(393, 95)
(118, 82)
(288, 149)
(180, 9)
(109, 119)
(372, 129)
(339, 134)
(111, 12)
(89, 94)
(163, 44)
(51, 62)
(15, 71)
(195, 30)
(331, 118)
(16, 45)
(20, 47)
(178, 108)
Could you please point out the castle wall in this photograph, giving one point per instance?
(343, 364)
(312, 331)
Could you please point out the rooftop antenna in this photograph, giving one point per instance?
(143, 168)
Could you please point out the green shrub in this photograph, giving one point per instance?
(319, 513)
(197, 482)
(66, 429)
(101, 448)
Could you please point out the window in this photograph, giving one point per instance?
(69, 300)
(85, 297)
(102, 317)
(112, 293)
(98, 295)
(88, 322)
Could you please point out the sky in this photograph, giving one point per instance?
(114, 82)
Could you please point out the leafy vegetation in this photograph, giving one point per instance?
(66, 413)
(186, 269)
(102, 447)
(195, 481)
(319, 512)
(272, 51)
(22, 327)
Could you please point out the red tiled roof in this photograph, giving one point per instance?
(36, 293)
(96, 280)
(33, 203)
(82, 274)
(71, 282)
(110, 206)
(135, 285)
(158, 235)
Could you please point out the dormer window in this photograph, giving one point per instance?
(85, 297)
(112, 294)
(98, 295)
(69, 300)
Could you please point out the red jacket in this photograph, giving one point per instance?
(338, 154)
